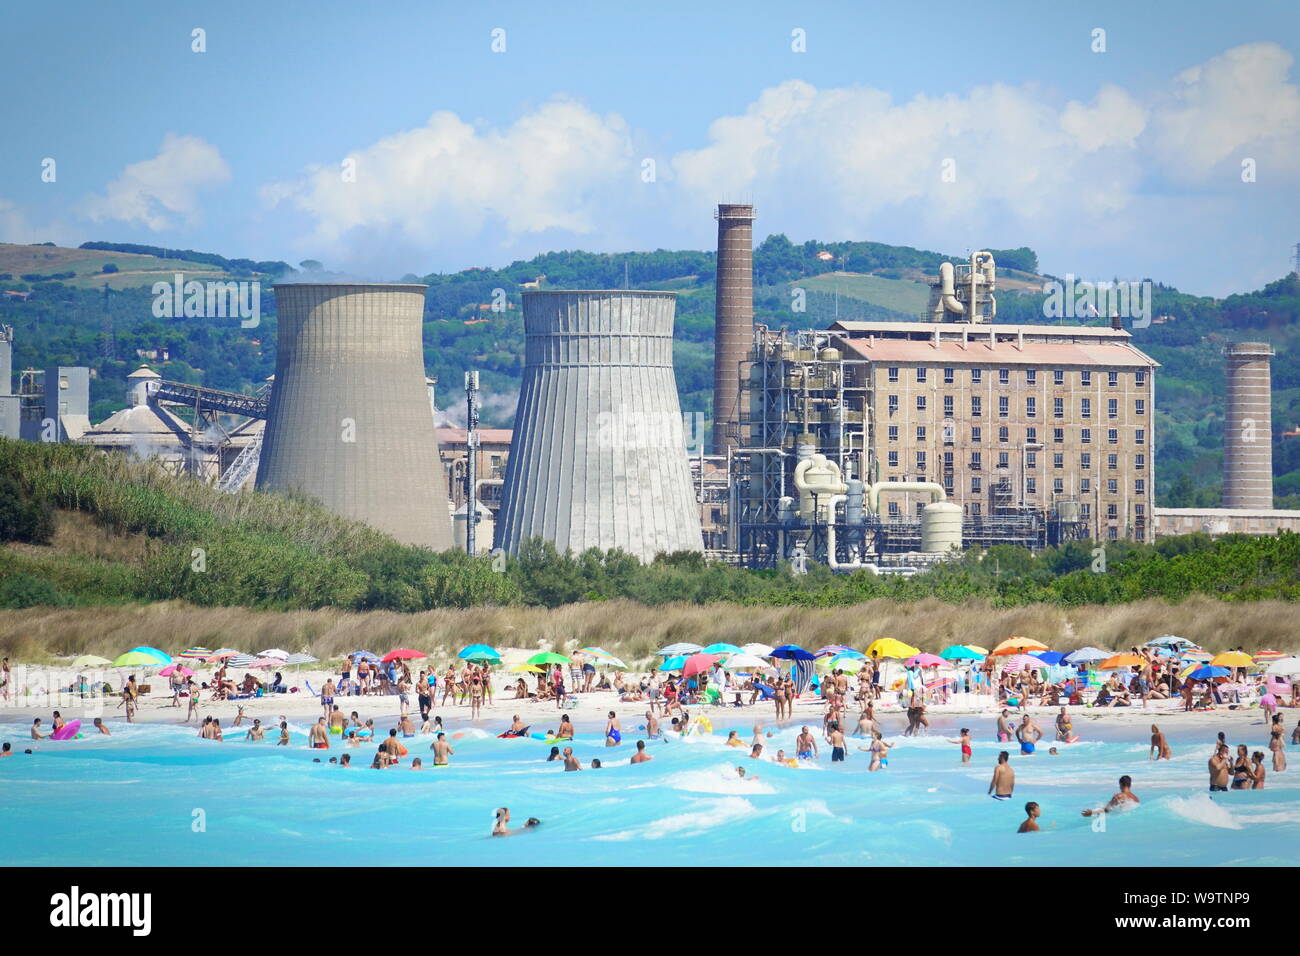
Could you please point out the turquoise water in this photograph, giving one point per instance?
(132, 799)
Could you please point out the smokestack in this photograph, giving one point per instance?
(598, 458)
(349, 420)
(733, 334)
(1248, 431)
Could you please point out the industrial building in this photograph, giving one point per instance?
(10, 415)
(349, 421)
(599, 454)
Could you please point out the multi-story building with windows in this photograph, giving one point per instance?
(1053, 419)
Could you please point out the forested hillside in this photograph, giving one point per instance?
(73, 321)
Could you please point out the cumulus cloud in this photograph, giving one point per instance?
(155, 192)
(1240, 100)
(554, 168)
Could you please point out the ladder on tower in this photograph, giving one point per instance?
(242, 468)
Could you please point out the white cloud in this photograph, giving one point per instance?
(154, 191)
(559, 167)
(1234, 105)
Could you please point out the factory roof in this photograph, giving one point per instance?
(979, 329)
(925, 352)
(140, 423)
(486, 436)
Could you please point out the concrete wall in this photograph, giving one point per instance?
(598, 457)
(349, 420)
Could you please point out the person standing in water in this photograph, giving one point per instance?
(965, 744)
(1031, 818)
(640, 756)
(1004, 727)
(1159, 746)
(441, 750)
(1003, 783)
(613, 731)
(1278, 748)
(836, 739)
(1123, 800)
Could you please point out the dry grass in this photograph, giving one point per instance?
(633, 631)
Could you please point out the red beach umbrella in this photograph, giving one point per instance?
(697, 663)
(402, 654)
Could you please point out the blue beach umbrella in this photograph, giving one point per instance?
(1209, 671)
(793, 652)
(722, 648)
(479, 652)
(1049, 657)
(674, 663)
(160, 656)
(960, 652)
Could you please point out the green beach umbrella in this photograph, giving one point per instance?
(549, 657)
(136, 659)
(91, 660)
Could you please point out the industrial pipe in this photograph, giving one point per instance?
(857, 564)
(948, 289)
(933, 487)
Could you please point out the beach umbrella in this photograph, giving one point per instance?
(222, 654)
(276, 653)
(698, 663)
(758, 650)
(841, 662)
(924, 660)
(746, 662)
(299, 659)
(1049, 657)
(610, 661)
(1171, 640)
(834, 650)
(242, 660)
(1206, 672)
(402, 654)
(526, 669)
(1121, 660)
(1285, 666)
(549, 657)
(722, 648)
(595, 652)
(1086, 655)
(365, 656)
(792, 652)
(91, 660)
(160, 656)
(675, 663)
(961, 652)
(1232, 659)
(1264, 657)
(672, 650)
(889, 647)
(478, 652)
(264, 662)
(1196, 654)
(195, 654)
(136, 659)
(171, 669)
(1018, 645)
(1017, 661)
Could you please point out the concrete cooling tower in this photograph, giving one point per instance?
(598, 458)
(349, 421)
(1248, 428)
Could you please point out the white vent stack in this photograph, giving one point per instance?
(1248, 430)
(348, 422)
(598, 458)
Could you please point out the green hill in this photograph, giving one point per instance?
(70, 321)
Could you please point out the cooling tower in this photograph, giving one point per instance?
(598, 458)
(733, 333)
(349, 421)
(1248, 429)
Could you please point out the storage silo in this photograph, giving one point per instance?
(348, 421)
(1248, 428)
(598, 458)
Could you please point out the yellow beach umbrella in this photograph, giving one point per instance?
(889, 647)
(1232, 659)
(978, 649)
(1018, 645)
(526, 669)
(91, 660)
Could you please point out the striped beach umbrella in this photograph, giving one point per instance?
(195, 654)
(1264, 657)
(276, 653)
(1195, 655)
(222, 654)
(1017, 662)
(241, 660)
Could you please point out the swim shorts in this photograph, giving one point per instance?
(1003, 738)
(804, 755)
(1026, 747)
(1214, 789)
(965, 750)
(837, 753)
(1000, 796)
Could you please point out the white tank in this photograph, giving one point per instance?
(941, 527)
(482, 534)
(1067, 510)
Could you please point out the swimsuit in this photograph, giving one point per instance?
(615, 736)
(804, 754)
(965, 749)
(1026, 747)
(837, 753)
(1000, 796)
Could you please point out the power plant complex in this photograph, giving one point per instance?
(885, 446)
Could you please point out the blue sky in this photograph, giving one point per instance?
(1123, 163)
